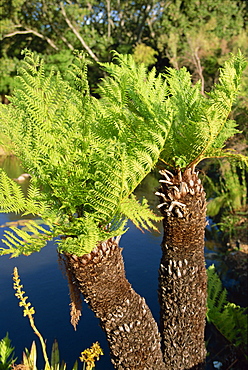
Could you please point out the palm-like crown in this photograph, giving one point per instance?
(87, 156)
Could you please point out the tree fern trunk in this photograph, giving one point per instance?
(131, 331)
(182, 273)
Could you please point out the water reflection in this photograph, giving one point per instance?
(12, 166)
(48, 292)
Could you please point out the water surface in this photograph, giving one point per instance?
(48, 292)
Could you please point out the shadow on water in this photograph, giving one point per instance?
(48, 292)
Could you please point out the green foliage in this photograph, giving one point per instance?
(8, 69)
(6, 353)
(135, 212)
(191, 33)
(194, 34)
(86, 157)
(144, 54)
(232, 190)
(21, 241)
(200, 124)
(30, 358)
(228, 318)
(228, 198)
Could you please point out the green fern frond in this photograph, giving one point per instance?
(220, 102)
(20, 241)
(228, 318)
(188, 135)
(88, 234)
(230, 154)
(139, 213)
(200, 124)
(11, 195)
(86, 156)
(141, 105)
(217, 296)
(12, 198)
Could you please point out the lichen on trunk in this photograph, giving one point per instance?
(182, 272)
(131, 330)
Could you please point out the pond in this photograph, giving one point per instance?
(47, 288)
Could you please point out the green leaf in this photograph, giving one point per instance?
(30, 358)
(55, 365)
(24, 242)
(6, 353)
(139, 213)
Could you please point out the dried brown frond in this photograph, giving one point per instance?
(75, 313)
(74, 292)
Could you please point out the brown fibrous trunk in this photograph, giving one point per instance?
(182, 272)
(131, 330)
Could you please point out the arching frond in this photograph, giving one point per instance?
(139, 213)
(20, 241)
(86, 156)
(200, 124)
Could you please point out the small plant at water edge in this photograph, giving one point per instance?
(88, 356)
(6, 353)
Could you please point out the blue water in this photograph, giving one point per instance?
(47, 290)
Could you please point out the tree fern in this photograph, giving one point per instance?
(228, 318)
(86, 157)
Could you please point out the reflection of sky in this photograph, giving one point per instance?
(47, 290)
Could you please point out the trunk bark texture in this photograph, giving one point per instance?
(131, 330)
(182, 273)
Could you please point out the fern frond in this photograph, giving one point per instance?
(217, 296)
(220, 102)
(141, 105)
(188, 135)
(200, 125)
(90, 234)
(228, 318)
(139, 213)
(21, 241)
(11, 196)
(229, 154)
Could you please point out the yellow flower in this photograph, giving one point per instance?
(27, 310)
(90, 355)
